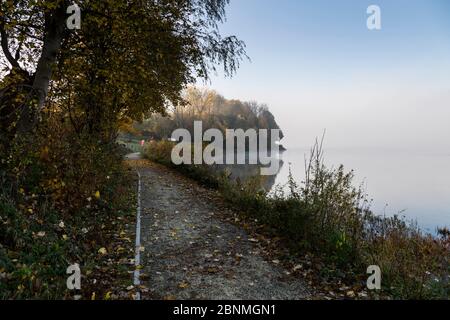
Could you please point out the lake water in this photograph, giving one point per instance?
(413, 183)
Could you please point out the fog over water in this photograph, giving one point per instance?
(410, 183)
(383, 97)
(396, 141)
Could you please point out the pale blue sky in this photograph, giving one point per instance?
(317, 66)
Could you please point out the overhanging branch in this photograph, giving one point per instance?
(5, 46)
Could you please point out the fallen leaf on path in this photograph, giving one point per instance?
(297, 267)
(213, 270)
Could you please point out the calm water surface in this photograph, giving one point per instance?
(413, 183)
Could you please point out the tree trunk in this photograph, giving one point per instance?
(55, 25)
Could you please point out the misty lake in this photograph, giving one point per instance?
(413, 184)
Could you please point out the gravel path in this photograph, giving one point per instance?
(192, 252)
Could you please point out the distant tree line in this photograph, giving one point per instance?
(201, 104)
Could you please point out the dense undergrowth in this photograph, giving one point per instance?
(64, 199)
(328, 217)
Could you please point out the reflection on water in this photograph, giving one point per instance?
(244, 172)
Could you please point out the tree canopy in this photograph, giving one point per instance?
(130, 58)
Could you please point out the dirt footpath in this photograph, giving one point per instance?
(191, 252)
